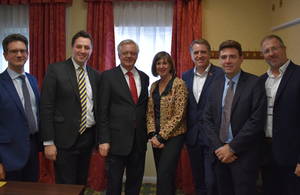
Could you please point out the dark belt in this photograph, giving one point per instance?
(269, 139)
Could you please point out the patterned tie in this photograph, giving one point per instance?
(28, 108)
(226, 113)
(132, 87)
(82, 94)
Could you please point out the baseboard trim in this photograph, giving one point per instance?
(146, 179)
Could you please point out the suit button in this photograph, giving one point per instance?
(26, 124)
(27, 139)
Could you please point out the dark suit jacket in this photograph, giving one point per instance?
(60, 103)
(248, 115)
(118, 112)
(14, 131)
(195, 126)
(286, 117)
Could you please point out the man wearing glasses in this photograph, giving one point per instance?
(282, 82)
(19, 114)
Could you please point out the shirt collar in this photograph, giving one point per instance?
(235, 79)
(205, 71)
(133, 71)
(76, 66)
(14, 75)
(281, 69)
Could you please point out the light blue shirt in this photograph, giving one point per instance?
(235, 79)
(18, 85)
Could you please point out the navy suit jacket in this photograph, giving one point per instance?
(60, 103)
(119, 114)
(14, 131)
(248, 116)
(195, 126)
(286, 117)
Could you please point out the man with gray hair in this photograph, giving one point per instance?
(282, 82)
(122, 131)
(198, 80)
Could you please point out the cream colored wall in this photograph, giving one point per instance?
(290, 35)
(247, 22)
(241, 20)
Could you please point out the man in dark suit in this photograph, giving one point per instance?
(282, 82)
(122, 129)
(19, 114)
(68, 114)
(198, 80)
(235, 127)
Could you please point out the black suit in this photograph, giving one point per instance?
(284, 151)
(248, 115)
(123, 125)
(196, 140)
(60, 119)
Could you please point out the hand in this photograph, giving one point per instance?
(225, 155)
(50, 152)
(2, 172)
(155, 143)
(104, 149)
(297, 170)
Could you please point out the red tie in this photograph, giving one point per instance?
(132, 87)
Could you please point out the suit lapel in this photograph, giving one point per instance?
(218, 93)
(209, 78)
(190, 85)
(72, 76)
(238, 91)
(9, 85)
(286, 76)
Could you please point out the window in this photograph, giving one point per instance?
(149, 24)
(13, 19)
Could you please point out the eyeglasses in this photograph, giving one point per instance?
(15, 52)
(273, 49)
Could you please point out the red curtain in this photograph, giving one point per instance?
(47, 45)
(100, 24)
(187, 26)
(20, 2)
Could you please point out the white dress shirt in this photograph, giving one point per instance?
(198, 82)
(136, 77)
(272, 85)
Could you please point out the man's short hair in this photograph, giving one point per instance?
(84, 34)
(231, 44)
(165, 56)
(200, 41)
(271, 37)
(11, 38)
(127, 41)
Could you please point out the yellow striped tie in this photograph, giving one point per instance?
(82, 94)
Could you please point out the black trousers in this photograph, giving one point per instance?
(233, 179)
(72, 164)
(134, 163)
(166, 160)
(203, 175)
(278, 179)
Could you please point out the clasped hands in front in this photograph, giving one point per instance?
(225, 155)
(155, 143)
